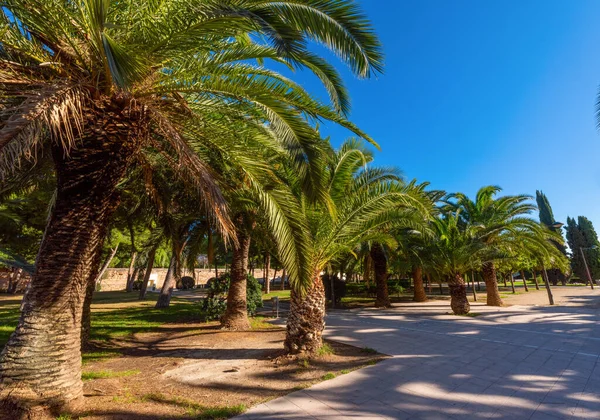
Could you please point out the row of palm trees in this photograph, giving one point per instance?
(170, 111)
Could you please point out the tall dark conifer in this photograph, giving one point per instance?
(547, 218)
(592, 253)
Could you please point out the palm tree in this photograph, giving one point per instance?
(455, 250)
(361, 201)
(104, 81)
(493, 217)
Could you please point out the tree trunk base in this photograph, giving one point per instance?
(306, 320)
(491, 285)
(235, 324)
(25, 406)
(458, 299)
(383, 303)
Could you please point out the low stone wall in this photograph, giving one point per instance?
(116, 278)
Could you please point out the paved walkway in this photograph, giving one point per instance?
(507, 363)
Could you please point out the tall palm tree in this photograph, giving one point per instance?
(104, 81)
(362, 200)
(494, 217)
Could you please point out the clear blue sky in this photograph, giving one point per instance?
(479, 92)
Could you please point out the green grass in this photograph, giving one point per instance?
(103, 374)
(259, 323)
(282, 294)
(328, 376)
(97, 356)
(325, 350)
(109, 322)
(345, 371)
(199, 411)
(470, 314)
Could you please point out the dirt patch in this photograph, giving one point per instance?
(191, 371)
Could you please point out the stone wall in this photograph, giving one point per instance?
(116, 278)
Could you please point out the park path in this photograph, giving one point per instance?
(518, 362)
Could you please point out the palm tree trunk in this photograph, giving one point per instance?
(130, 272)
(473, 286)
(524, 280)
(491, 284)
(283, 274)
(306, 320)
(236, 315)
(40, 365)
(419, 290)
(535, 279)
(149, 267)
(107, 262)
(458, 295)
(380, 264)
(13, 282)
(266, 272)
(164, 299)
(367, 270)
(131, 278)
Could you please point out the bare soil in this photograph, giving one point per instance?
(184, 369)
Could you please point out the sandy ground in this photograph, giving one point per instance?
(178, 371)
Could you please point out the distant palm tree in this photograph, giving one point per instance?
(455, 249)
(496, 219)
(104, 82)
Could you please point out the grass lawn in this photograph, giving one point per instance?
(282, 294)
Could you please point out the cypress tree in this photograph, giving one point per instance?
(546, 214)
(590, 239)
(547, 218)
(576, 240)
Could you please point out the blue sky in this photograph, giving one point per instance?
(479, 92)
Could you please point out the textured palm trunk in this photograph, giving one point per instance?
(149, 267)
(382, 299)
(419, 289)
(236, 315)
(491, 284)
(458, 295)
(524, 281)
(40, 366)
(164, 299)
(306, 320)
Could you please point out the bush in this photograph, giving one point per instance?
(137, 285)
(356, 289)
(253, 295)
(339, 287)
(186, 283)
(214, 305)
(395, 287)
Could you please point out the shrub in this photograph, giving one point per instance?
(186, 283)
(253, 295)
(356, 289)
(394, 287)
(214, 305)
(137, 285)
